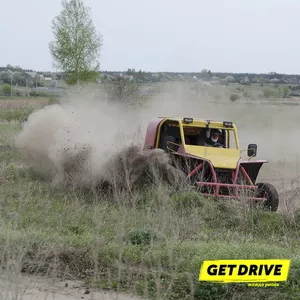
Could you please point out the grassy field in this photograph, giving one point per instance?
(150, 242)
(17, 110)
(233, 92)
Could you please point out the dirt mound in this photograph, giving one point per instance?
(128, 169)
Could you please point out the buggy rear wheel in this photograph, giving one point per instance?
(267, 190)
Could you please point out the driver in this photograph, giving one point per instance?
(213, 138)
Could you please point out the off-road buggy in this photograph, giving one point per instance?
(214, 171)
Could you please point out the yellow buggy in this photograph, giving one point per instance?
(215, 168)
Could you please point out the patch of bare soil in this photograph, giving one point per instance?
(17, 103)
(33, 287)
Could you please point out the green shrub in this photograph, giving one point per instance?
(247, 95)
(285, 92)
(140, 237)
(270, 93)
(234, 97)
(6, 89)
(53, 100)
(33, 94)
(19, 93)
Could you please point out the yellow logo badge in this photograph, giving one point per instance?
(227, 271)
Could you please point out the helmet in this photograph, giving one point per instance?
(214, 134)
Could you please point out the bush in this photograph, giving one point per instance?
(270, 93)
(53, 100)
(294, 94)
(246, 95)
(6, 89)
(285, 92)
(234, 97)
(121, 90)
(294, 88)
(140, 237)
(19, 93)
(33, 94)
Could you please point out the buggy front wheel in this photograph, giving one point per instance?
(268, 191)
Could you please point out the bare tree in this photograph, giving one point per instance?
(122, 90)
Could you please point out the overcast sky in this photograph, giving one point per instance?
(165, 35)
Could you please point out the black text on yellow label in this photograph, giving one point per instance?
(245, 270)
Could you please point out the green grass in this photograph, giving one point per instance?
(7, 132)
(266, 91)
(18, 114)
(106, 233)
(150, 242)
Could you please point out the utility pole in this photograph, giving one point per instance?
(11, 86)
(26, 87)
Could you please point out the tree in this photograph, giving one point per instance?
(285, 92)
(77, 44)
(123, 90)
(130, 71)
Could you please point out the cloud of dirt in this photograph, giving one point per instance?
(90, 142)
(56, 136)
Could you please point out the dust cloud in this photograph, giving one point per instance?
(98, 134)
(91, 143)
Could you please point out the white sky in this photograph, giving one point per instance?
(165, 35)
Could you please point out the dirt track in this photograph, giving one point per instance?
(30, 288)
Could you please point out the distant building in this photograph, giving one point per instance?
(275, 80)
(130, 77)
